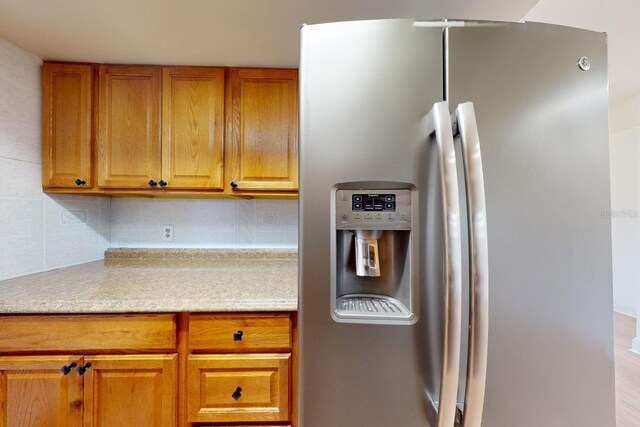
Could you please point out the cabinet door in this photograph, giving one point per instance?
(128, 126)
(238, 387)
(35, 393)
(66, 125)
(193, 127)
(131, 391)
(264, 129)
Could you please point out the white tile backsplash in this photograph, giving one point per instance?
(65, 249)
(21, 217)
(17, 141)
(204, 223)
(17, 103)
(20, 179)
(21, 255)
(39, 231)
(19, 66)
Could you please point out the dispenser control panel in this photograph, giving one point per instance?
(373, 209)
(373, 202)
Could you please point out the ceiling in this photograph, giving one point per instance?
(206, 32)
(266, 32)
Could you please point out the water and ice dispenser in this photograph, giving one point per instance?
(373, 246)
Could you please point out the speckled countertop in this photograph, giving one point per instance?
(161, 280)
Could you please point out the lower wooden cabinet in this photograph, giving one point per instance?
(238, 387)
(118, 391)
(34, 393)
(65, 371)
(131, 390)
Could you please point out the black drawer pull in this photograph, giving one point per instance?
(238, 336)
(68, 368)
(83, 368)
(237, 394)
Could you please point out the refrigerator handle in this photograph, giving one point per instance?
(439, 122)
(465, 125)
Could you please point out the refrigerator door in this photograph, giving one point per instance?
(366, 89)
(542, 122)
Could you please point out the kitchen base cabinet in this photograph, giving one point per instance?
(131, 390)
(35, 393)
(148, 370)
(238, 387)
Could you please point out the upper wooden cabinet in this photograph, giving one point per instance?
(188, 131)
(193, 127)
(66, 125)
(128, 148)
(263, 116)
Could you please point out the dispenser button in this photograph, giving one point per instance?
(389, 198)
(389, 206)
(357, 199)
(391, 217)
(357, 206)
(378, 218)
(403, 217)
(368, 217)
(357, 217)
(344, 218)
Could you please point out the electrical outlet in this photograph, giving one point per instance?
(167, 233)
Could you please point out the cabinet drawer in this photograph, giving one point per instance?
(68, 333)
(238, 387)
(237, 333)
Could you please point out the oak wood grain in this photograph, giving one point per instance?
(262, 379)
(262, 116)
(34, 393)
(260, 332)
(87, 333)
(193, 127)
(128, 148)
(131, 390)
(67, 125)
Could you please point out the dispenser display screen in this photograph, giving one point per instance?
(373, 202)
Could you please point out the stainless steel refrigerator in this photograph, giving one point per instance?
(455, 247)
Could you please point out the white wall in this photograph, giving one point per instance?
(204, 223)
(625, 203)
(37, 232)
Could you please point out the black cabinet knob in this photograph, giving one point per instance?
(237, 394)
(83, 368)
(162, 183)
(68, 368)
(152, 183)
(238, 336)
(234, 184)
(80, 181)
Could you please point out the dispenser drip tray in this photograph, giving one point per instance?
(374, 307)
